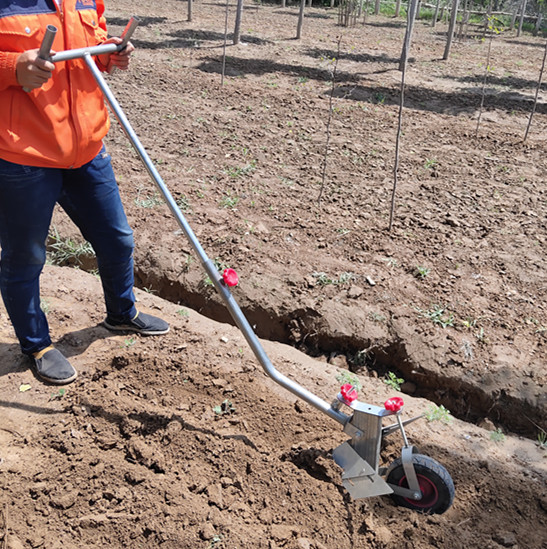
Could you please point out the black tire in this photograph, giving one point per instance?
(435, 482)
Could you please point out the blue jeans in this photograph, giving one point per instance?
(90, 196)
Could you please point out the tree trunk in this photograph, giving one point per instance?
(537, 93)
(462, 22)
(538, 24)
(377, 7)
(237, 28)
(309, 3)
(397, 8)
(283, 3)
(411, 17)
(300, 20)
(522, 13)
(189, 10)
(435, 14)
(513, 19)
(418, 9)
(451, 27)
(402, 67)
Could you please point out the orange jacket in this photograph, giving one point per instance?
(61, 124)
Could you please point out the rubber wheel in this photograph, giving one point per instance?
(435, 483)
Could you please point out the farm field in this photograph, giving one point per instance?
(182, 441)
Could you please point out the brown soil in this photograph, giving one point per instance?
(134, 453)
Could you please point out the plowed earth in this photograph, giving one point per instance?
(182, 441)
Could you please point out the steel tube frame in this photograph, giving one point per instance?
(236, 313)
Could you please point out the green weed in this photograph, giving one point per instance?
(391, 380)
(345, 376)
(237, 171)
(437, 316)
(148, 201)
(226, 407)
(58, 395)
(421, 272)
(229, 201)
(63, 251)
(324, 280)
(438, 413)
(497, 435)
(44, 305)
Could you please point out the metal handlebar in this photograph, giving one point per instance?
(47, 42)
(101, 49)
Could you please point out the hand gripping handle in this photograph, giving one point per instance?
(47, 42)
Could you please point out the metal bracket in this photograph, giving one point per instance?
(394, 426)
(359, 478)
(413, 490)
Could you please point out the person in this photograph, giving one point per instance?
(52, 123)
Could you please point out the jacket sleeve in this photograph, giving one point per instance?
(8, 76)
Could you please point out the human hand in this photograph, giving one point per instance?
(119, 59)
(33, 71)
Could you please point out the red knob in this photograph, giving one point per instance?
(230, 277)
(394, 404)
(348, 392)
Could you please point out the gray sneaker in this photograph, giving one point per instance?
(54, 368)
(142, 324)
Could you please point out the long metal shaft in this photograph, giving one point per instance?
(208, 265)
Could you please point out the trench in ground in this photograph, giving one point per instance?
(465, 400)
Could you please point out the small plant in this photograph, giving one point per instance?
(438, 413)
(421, 272)
(430, 163)
(324, 280)
(214, 540)
(345, 376)
(391, 262)
(437, 316)
(229, 201)
(225, 408)
(467, 349)
(183, 203)
(220, 266)
(129, 342)
(184, 313)
(63, 251)
(497, 435)
(377, 317)
(44, 305)
(391, 380)
(58, 395)
(379, 98)
(148, 201)
(542, 439)
(237, 171)
(481, 336)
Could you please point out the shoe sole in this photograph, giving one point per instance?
(126, 328)
(56, 381)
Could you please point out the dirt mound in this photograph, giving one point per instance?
(182, 441)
